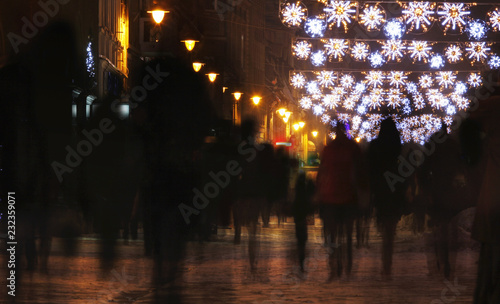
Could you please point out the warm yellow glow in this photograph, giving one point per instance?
(190, 44)
(302, 124)
(256, 99)
(285, 119)
(314, 133)
(287, 114)
(237, 95)
(158, 15)
(197, 66)
(358, 139)
(224, 89)
(282, 111)
(296, 126)
(212, 76)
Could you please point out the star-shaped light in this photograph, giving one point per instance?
(460, 88)
(394, 29)
(376, 59)
(340, 12)
(477, 51)
(475, 80)
(360, 51)
(426, 81)
(494, 62)
(419, 50)
(302, 49)
(494, 19)
(372, 17)
(347, 81)
(336, 48)
(453, 15)
(331, 101)
(411, 87)
(293, 14)
(397, 78)
(419, 15)
(436, 61)
(446, 78)
(393, 49)
(313, 88)
(375, 78)
(326, 78)
(393, 99)
(298, 80)
(453, 53)
(477, 29)
(325, 118)
(318, 110)
(419, 102)
(318, 58)
(315, 27)
(349, 103)
(305, 102)
(376, 98)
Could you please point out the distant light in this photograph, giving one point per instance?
(282, 111)
(158, 15)
(256, 99)
(189, 43)
(302, 124)
(197, 66)
(296, 127)
(314, 133)
(212, 76)
(237, 95)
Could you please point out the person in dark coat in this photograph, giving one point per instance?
(304, 190)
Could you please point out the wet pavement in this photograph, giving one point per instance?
(219, 272)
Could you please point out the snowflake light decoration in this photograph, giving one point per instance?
(325, 118)
(360, 51)
(475, 80)
(313, 88)
(419, 50)
(446, 78)
(393, 99)
(375, 78)
(426, 81)
(460, 88)
(331, 101)
(340, 12)
(372, 17)
(359, 88)
(411, 87)
(394, 29)
(349, 103)
(336, 48)
(326, 78)
(494, 62)
(393, 49)
(419, 15)
(305, 102)
(453, 15)
(494, 19)
(293, 14)
(453, 53)
(436, 61)
(376, 99)
(476, 29)
(315, 27)
(302, 49)
(298, 81)
(419, 102)
(376, 59)
(318, 58)
(347, 81)
(397, 78)
(477, 51)
(318, 110)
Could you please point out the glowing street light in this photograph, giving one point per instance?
(237, 95)
(282, 111)
(296, 126)
(256, 99)
(158, 14)
(302, 124)
(197, 66)
(212, 76)
(189, 43)
(314, 133)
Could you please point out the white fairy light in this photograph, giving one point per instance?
(372, 17)
(453, 15)
(313, 88)
(298, 81)
(419, 102)
(446, 78)
(318, 110)
(436, 61)
(293, 14)
(325, 118)
(331, 101)
(407, 108)
(356, 122)
(376, 59)
(475, 80)
(89, 61)
(318, 58)
(376, 98)
(448, 120)
(344, 117)
(326, 78)
(393, 99)
(453, 53)
(419, 50)
(375, 78)
(360, 51)
(494, 62)
(460, 88)
(393, 49)
(340, 12)
(461, 102)
(315, 27)
(347, 81)
(477, 29)
(397, 78)
(336, 48)
(477, 51)
(361, 109)
(359, 88)
(411, 87)
(419, 15)
(394, 29)
(305, 102)
(425, 81)
(494, 19)
(451, 110)
(301, 49)
(339, 91)
(349, 103)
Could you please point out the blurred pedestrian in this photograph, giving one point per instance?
(304, 190)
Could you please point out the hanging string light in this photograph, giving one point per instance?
(340, 13)
(293, 14)
(372, 17)
(419, 15)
